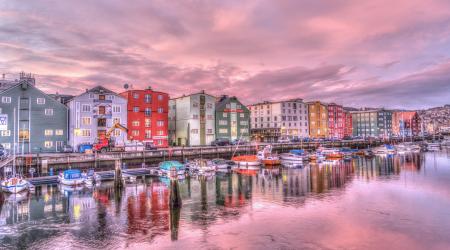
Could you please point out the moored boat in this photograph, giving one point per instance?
(172, 167)
(384, 149)
(296, 155)
(15, 185)
(246, 160)
(222, 163)
(71, 177)
(201, 166)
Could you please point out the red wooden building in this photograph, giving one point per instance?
(336, 121)
(348, 125)
(147, 116)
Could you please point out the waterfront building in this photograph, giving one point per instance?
(372, 123)
(147, 116)
(192, 121)
(348, 124)
(406, 123)
(271, 121)
(336, 121)
(232, 119)
(31, 121)
(318, 120)
(92, 113)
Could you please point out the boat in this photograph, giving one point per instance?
(330, 153)
(15, 185)
(246, 160)
(384, 149)
(407, 147)
(292, 164)
(222, 163)
(316, 157)
(172, 168)
(71, 177)
(267, 157)
(295, 155)
(201, 166)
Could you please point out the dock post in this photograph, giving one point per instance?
(175, 198)
(118, 182)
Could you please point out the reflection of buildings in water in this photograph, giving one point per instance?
(325, 177)
(409, 162)
(387, 166)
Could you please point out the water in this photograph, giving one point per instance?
(400, 202)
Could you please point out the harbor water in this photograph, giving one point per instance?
(382, 202)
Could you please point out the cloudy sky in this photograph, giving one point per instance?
(394, 54)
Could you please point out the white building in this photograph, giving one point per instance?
(191, 119)
(270, 121)
(92, 113)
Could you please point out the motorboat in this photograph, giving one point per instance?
(296, 155)
(330, 153)
(71, 177)
(201, 166)
(172, 168)
(267, 157)
(222, 163)
(246, 161)
(15, 185)
(384, 149)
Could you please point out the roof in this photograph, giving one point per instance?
(197, 93)
(274, 102)
(221, 104)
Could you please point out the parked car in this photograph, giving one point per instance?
(67, 149)
(239, 142)
(220, 142)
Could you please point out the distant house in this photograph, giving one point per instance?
(92, 113)
(35, 121)
(232, 119)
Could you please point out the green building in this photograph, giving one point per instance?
(232, 119)
(30, 120)
(372, 123)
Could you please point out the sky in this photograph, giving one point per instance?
(393, 54)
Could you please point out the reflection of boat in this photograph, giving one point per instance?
(246, 160)
(69, 189)
(16, 197)
(201, 166)
(291, 164)
(407, 147)
(71, 177)
(175, 167)
(249, 172)
(15, 185)
(384, 149)
(433, 146)
(317, 157)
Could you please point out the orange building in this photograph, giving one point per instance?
(405, 123)
(318, 120)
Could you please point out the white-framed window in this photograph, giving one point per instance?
(116, 120)
(148, 134)
(244, 130)
(91, 95)
(195, 104)
(49, 112)
(135, 123)
(209, 131)
(223, 122)
(160, 97)
(116, 109)
(48, 132)
(110, 97)
(160, 123)
(59, 132)
(223, 131)
(6, 99)
(242, 115)
(40, 100)
(48, 144)
(160, 142)
(148, 123)
(116, 133)
(86, 120)
(85, 108)
(6, 133)
(244, 122)
(160, 110)
(136, 95)
(238, 106)
(86, 132)
(225, 115)
(148, 98)
(136, 109)
(194, 131)
(209, 105)
(160, 132)
(7, 145)
(135, 132)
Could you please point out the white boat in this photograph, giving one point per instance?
(71, 177)
(407, 147)
(201, 166)
(384, 149)
(222, 163)
(293, 156)
(15, 185)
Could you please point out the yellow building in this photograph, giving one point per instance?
(318, 120)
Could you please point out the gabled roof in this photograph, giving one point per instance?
(221, 104)
(98, 90)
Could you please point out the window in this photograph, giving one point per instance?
(242, 115)
(48, 132)
(7, 145)
(194, 131)
(160, 97)
(148, 112)
(101, 97)
(244, 130)
(238, 106)
(209, 117)
(101, 122)
(59, 132)
(209, 105)
(148, 134)
(117, 133)
(135, 133)
(223, 131)
(110, 97)
(91, 96)
(223, 122)
(6, 99)
(86, 132)
(48, 144)
(135, 109)
(86, 120)
(116, 109)
(160, 132)
(135, 95)
(195, 104)
(6, 133)
(160, 123)
(135, 123)
(160, 110)
(24, 134)
(244, 123)
(86, 108)
(209, 131)
(195, 116)
(116, 120)
(101, 110)
(40, 100)
(148, 98)
(148, 123)
(48, 111)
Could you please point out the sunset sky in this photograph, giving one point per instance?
(394, 54)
